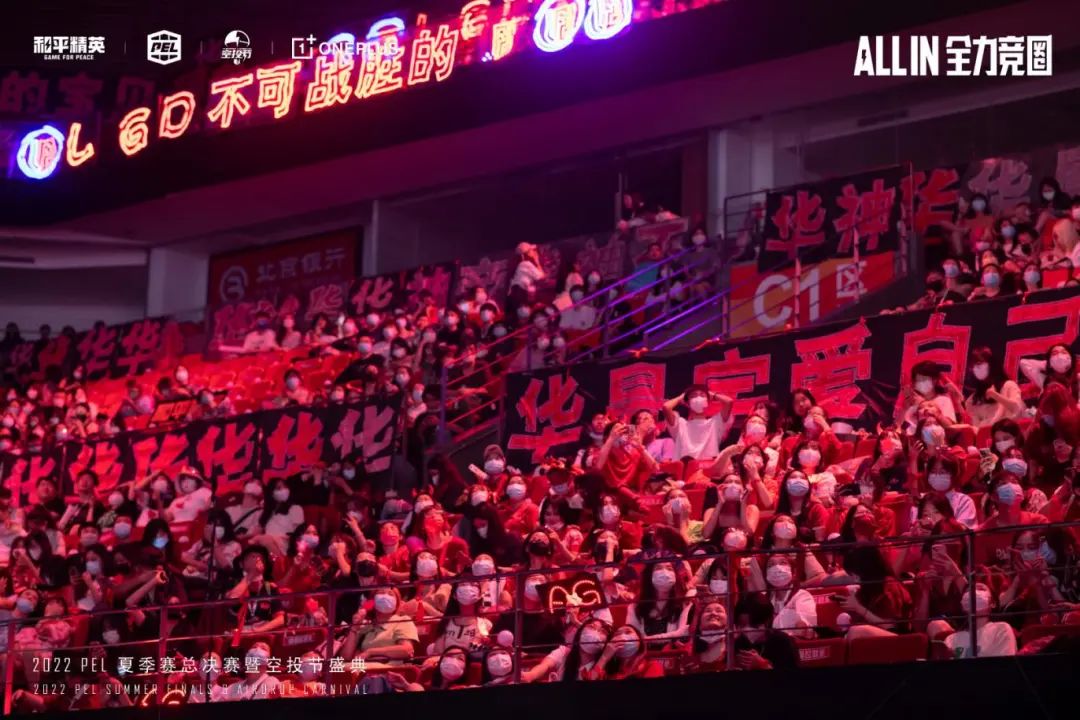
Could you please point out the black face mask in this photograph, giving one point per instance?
(540, 548)
(366, 568)
(935, 285)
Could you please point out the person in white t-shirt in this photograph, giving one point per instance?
(193, 500)
(262, 337)
(698, 435)
(995, 639)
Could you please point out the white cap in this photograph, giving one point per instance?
(524, 247)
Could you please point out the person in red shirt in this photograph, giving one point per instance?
(392, 553)
(624, 657)
(519, 514)
(810, 516)
(708, 651)
(881, 603)
(1002, 509)
(623, 460)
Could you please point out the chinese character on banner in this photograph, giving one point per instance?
(96, 350)
(560, 415)
(935, 198)
(380, 71)
(311, 263)
(265, 273)
(295, 442)
(1004, 181)
(101, 457)
(374, 437)
(1065, 311)
(21, 475)
(799, 220)
(132, 92)
(139, 347)
(489, 274)
(287, 267)
(434, 279)
(373, 293)
(867, 214)
(334, 258)
(231, 322)
(167, 453)
(23, 94)
(736, 377)
(946, 345)
(54, 354)
(324, 299)
(226, 452)
(639, 386)
(829, 366)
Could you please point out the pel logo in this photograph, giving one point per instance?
(163, 47)
(233, 285)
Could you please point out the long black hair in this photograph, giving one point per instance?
(994, 379)
(573, 658)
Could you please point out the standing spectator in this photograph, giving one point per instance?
(698, 436)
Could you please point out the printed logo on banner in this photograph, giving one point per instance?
(233, 285)
(946, 345)
(849, 284)
(830, 365)
(552, 422)
(736, 376)
(639, 386)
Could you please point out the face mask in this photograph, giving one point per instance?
(255, 658)
(122, 530)
(87, 540)
(778, 576)
(1003, 445)
(1016, 466)
(592, 641)
(219, 532)
(467, 594)
(991, 280)
(1029, 555)
(663, 579)
(281, 494)
(515, 492)
(1060, 363)
(731, 492)
(785, 531)
(952, 271)
(498, 331)
(111, 637)
(398, 352)
(116, 500)
(486, 316)
(93, 567)
(309, 541)
(755, 432)
(627, 647)
(735, 541)
(933, 435)
(1048, 195)
(798, 487)
(482, 532)
(9, 421)
(978, 205)
(494, 466)
(401, 380)
(809, 458)
(718, 586)
(1032, 278)
(698, 239)
(482, 568)
(981, 371)
(364, 347)
(532, 589)
(609, 514)
(385, 604)
(924, 387)
(500, 665)
(478, 498)
(452, 668)
(426, 567)
(161, 542)
(429, 336)
(1009, 493)
(24, 605)
(940, 481)
(389, 333)
(698, 403)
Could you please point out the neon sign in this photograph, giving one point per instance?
(347, 71)
(39, 152)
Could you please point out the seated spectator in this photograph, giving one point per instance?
(993, 639)
(382, 634)
(698, 435)
(880, 604)
(757, 645)
(261, 338)
(662, 611)
(995, 397)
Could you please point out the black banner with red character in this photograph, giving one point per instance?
(114, 351)
(855, 370)
(822, 220)
(228, 452)
(384, 293)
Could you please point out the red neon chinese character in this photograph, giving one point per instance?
(276, 86)
(868, 213)
(330, 85)
(79, 92)
(134, 131)
(184, 101)
(946, 345)
(380, 71)
(829, 367)
(139, 346)
(436, 53)
(76, 157)
(232, 100)
(798, 229)
(935, 201)
(638, 386)
(474, 18)
(736, 376)
(96, 349)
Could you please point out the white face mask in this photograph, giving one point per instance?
(940, 481)
(663, 579)
(779, 576)
(1003, 445)
(452, 668)
(924, 387)
(426, 567)
(785, 531)
(515, 491)
(609, 514)
(500, 664)
(467, 594)
(809, 458)
(1060, 363)
(798, 487)
(592, 641)
(981, 371)
(483, 568)
(494, 466)
(731, 492)
(718, 586)
(281, 494)
(1017, 466)
(385, 603)
(478, 498)
(698, 403)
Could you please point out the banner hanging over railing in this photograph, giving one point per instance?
(855, 370)
(262, 445)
